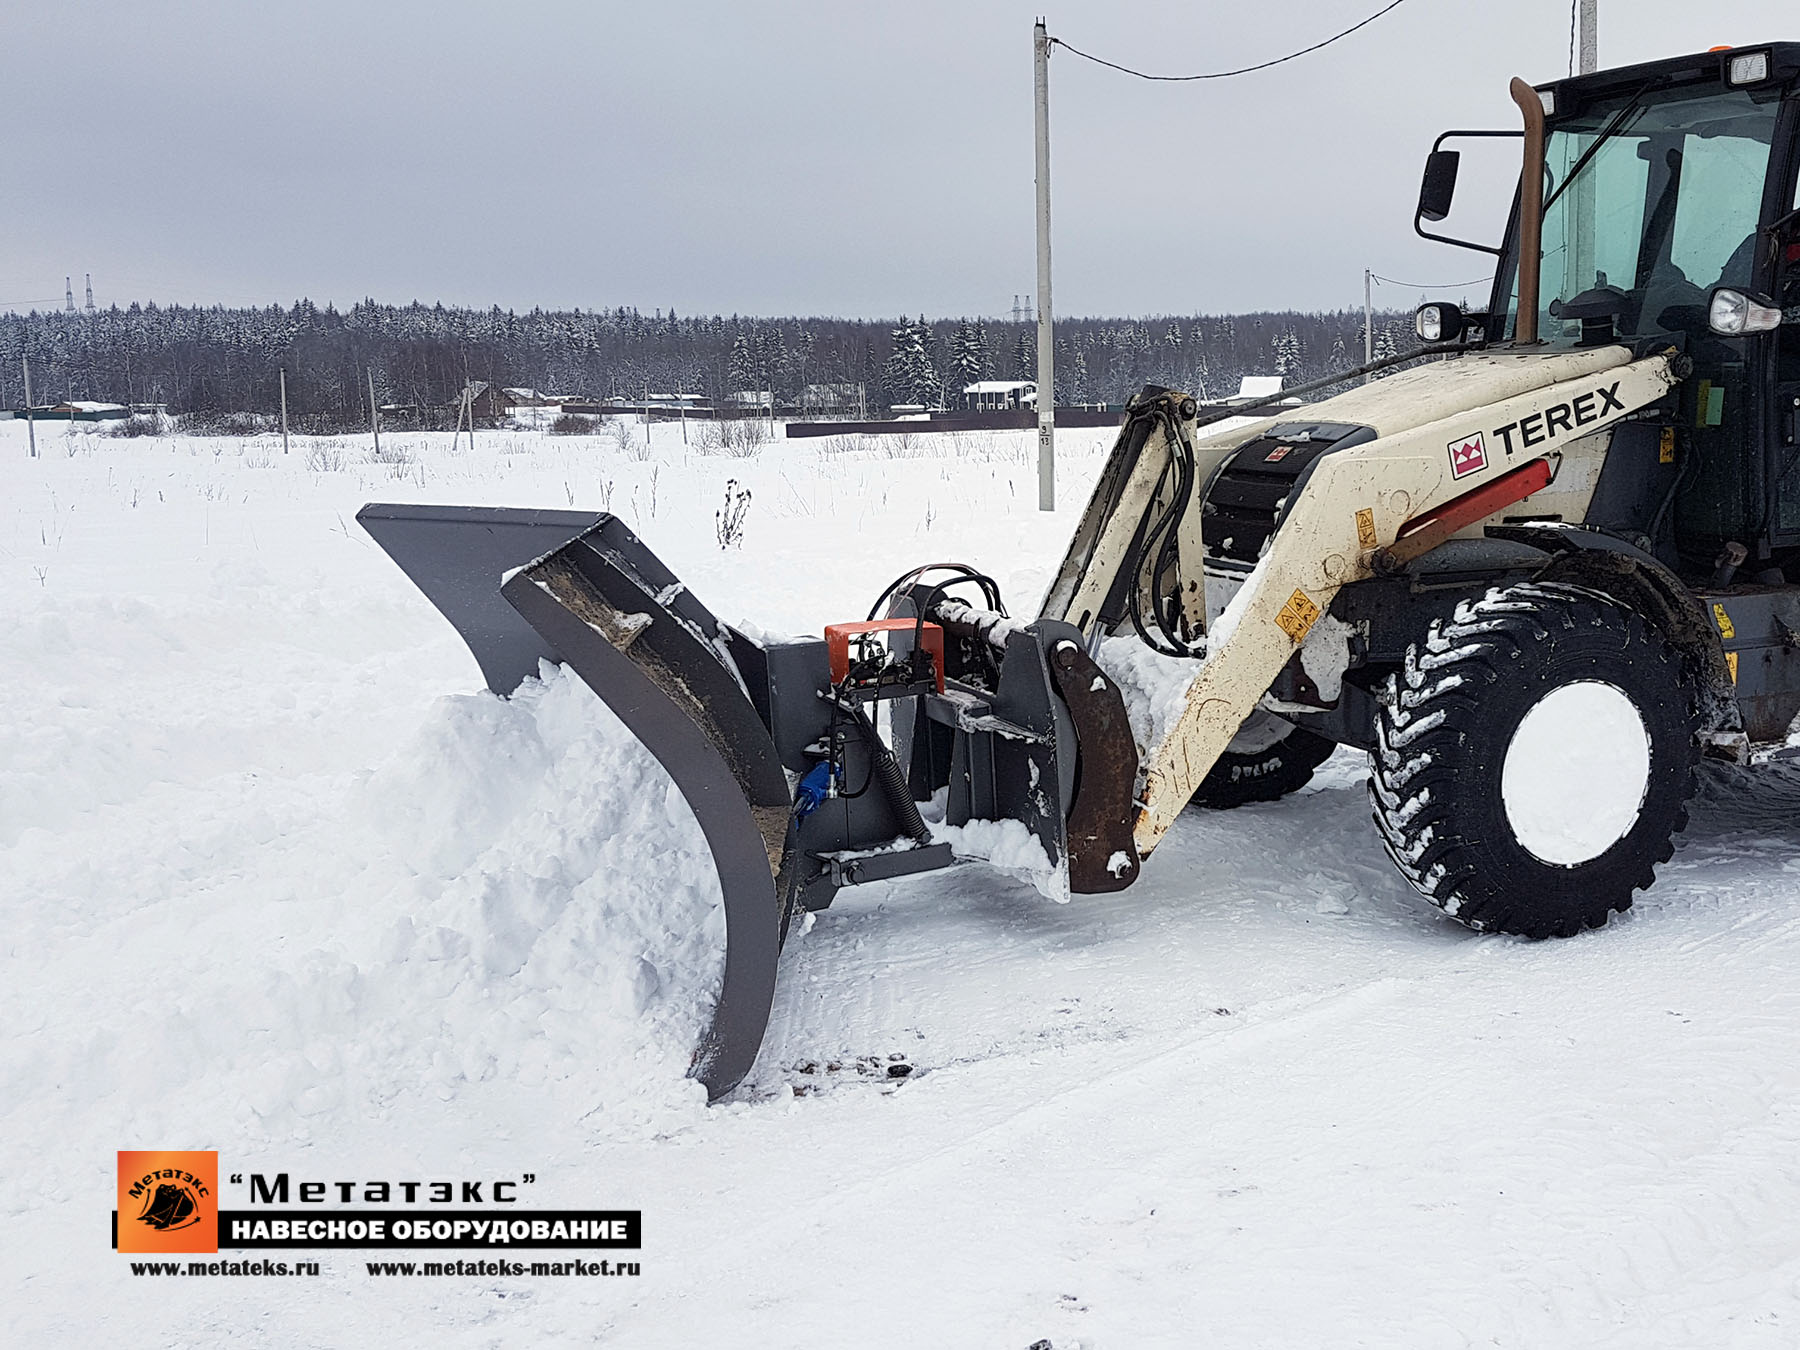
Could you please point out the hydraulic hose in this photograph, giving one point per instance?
(887, 773)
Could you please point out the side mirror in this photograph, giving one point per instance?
(1439, 187)
(1439, 322)
(1733, 313)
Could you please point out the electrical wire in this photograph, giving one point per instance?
(1226, 74)
(1574, 11)
(1431, 285)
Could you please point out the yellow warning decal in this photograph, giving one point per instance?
(1726, 631)
(1365, 528)
(1297, 616)
(1731, 663)
(1666, 453)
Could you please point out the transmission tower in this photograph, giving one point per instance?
(89, 277)
(69, 295)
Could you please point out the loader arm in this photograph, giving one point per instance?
(1360, 504)
(1093, 586)
(1321, 546)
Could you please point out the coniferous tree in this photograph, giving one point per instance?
(1025, 356)
(967, 358)
(742, 370)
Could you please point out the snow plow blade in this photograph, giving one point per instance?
(579, 588)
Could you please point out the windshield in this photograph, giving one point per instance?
(1666, 208)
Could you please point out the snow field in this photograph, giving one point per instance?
(279, 880)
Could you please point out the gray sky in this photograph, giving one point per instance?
(762, 158)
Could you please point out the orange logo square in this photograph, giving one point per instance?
(168, 1202)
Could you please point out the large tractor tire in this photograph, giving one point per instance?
(1534, 758)
(1267, 760)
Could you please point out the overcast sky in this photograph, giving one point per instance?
(845, 158)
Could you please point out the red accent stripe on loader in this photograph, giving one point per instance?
(1423, 533)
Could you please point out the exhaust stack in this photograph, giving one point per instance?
(1531, 210)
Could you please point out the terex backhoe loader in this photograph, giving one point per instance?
(1535, 576)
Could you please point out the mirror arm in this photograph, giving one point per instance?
(1418, 219)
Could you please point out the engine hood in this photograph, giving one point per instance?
(1440, 389)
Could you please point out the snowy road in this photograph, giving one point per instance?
(269, 891)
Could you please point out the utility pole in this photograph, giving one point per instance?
(30, 421)
(468, 394)
(1046, 342)
(284, 445)
(1368, 322)
(374, 413)
(1589, 44)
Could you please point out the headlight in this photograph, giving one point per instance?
(1438, 323)
(1750, 68)
(1733, 313)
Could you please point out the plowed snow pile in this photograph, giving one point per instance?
(517, 901)
(281, 881)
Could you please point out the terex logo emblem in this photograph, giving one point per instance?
(1468, 456)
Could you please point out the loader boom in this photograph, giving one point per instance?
(1356, 500)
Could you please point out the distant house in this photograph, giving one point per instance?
(488, 402)
(999, 395)
(751, 398)
(831, 397)
(1253, 387)
(77, 410)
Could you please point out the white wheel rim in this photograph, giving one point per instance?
(1576, 772)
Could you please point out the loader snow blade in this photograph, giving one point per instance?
(584, 591)
(457, 555)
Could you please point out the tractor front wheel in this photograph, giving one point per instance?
(1534, 758)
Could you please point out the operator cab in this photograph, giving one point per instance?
(1670, 220)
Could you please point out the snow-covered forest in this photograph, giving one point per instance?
(199, 360)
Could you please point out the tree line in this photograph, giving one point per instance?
(215, 360)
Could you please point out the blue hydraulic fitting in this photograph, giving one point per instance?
(813, 789)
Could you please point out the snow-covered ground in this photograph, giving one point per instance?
(281, 881)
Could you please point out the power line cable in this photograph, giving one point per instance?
(1226, 74)
(1429, 285)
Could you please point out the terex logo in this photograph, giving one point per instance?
(1560, 419)
(1468, 456)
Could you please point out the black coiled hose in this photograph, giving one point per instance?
(886, 771)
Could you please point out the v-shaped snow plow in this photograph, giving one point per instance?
(774, 745)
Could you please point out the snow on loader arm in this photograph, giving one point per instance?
(1006, 733)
